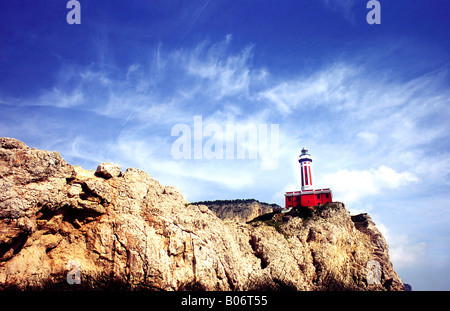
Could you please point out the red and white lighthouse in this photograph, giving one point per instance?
(305, 161)
(308, 196)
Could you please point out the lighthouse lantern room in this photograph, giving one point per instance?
(308, 196)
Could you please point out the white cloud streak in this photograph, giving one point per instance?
(350, 186)
(403, 252)
(344, 6)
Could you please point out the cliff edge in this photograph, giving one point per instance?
(239, 210)
(63, 227)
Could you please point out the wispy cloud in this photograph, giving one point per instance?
(329, 87)
(403, 252)
(343, 6)
(144, 100)
(224, 74)
(351, 186)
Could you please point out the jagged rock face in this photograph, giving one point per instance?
(60, 225)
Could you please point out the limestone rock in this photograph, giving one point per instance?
(60, 224)
(108, 170)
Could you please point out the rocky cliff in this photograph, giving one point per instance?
(63, 227)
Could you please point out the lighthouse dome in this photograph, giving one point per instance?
(304, 156)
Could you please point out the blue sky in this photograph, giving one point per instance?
(370, 102)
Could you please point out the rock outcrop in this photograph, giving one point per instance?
(239, 210)
(63, 227)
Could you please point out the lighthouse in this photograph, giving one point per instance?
(308, 196)
(305, 161)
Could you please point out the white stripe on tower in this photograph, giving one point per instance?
(302, 175)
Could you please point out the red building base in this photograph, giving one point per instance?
(308, 198)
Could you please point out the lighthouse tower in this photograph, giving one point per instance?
(305, 161)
